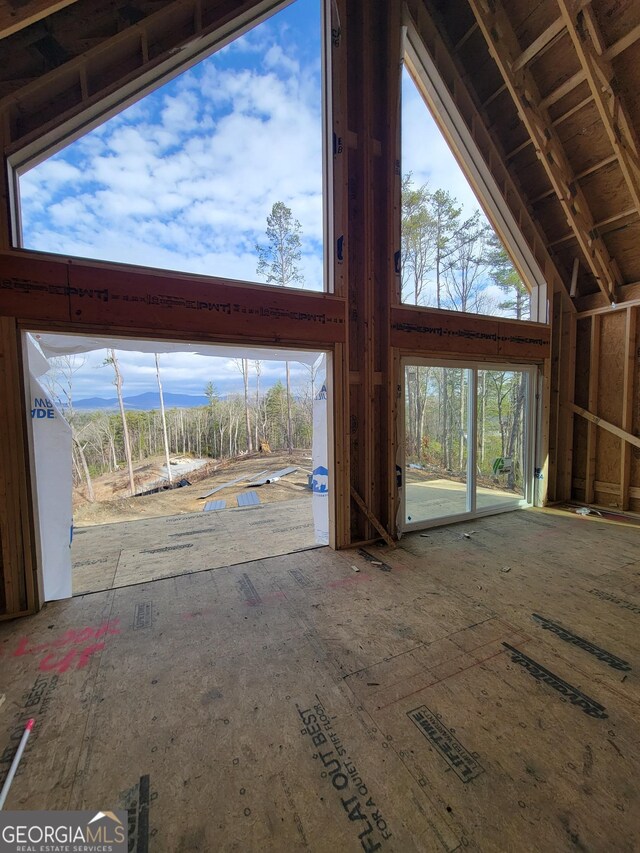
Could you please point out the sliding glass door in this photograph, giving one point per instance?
(467, 440)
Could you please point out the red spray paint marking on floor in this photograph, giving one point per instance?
(77, 657)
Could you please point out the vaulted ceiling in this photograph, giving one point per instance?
(557, 83)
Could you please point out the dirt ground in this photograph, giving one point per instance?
(108, 509)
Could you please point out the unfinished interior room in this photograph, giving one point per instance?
(320, 446)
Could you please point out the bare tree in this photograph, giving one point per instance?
(59, 382)
(113, 361)
(164, 420)
(243, 366)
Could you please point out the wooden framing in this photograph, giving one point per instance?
(16, 16)
(431, 331)
(588, 43)
(81, 294)
(491, 153)
(18, 579)
(362, 323)
(505, 49)
(594, 376)
(69, 100)
(629, 381)
(574, 81)
(612, 428)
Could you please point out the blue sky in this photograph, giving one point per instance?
(185, 178)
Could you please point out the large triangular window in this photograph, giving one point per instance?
(206, 173)
(452, 256)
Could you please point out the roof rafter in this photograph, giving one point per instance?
(589, 45)
(16, 16)
(505, 49)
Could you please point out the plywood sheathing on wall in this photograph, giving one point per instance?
(609, 388)
(609, 402)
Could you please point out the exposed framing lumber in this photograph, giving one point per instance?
(17, 555)
(583, 174)
(594, 384)
(574, 278)
(453, 75)
(589, 46)
(557, 121)
(15, 16)
(463, 40)
(539, 45)
(372, 519)
(608, 488)
(503, 44)
(602, 223)
(427, 331)
(612, 428)
(44, 289)
(569, 85)
(32, 128)
(566, 366)
(628, 388)
(594, 303)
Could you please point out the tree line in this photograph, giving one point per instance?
(451, 262)
(457, 263)
(107, 441)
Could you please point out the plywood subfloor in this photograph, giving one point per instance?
(296, 704)
(129, 552)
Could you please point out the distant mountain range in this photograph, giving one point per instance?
(143, 402)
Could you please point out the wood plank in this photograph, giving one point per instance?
(594, 385)
(612, 428)
(594, 303)
(608, 488)
(109, 296)
(371, 518)
(543, 41)
(629, 384)
(33, 286)
(587, 42)
(428, 331)
(504, 47)
(16, 511)
(15, 16)
(567, 368)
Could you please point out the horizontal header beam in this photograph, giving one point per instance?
(429, 331)
(82, 294)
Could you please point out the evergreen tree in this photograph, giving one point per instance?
(278, 261)
(505, 276)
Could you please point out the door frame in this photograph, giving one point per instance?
(530, 439)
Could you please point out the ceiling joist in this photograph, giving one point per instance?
(589, 46)
(542, 43)
(15, 16)
(505, 49)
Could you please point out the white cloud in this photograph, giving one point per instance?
(185, 179)
(184, 373)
